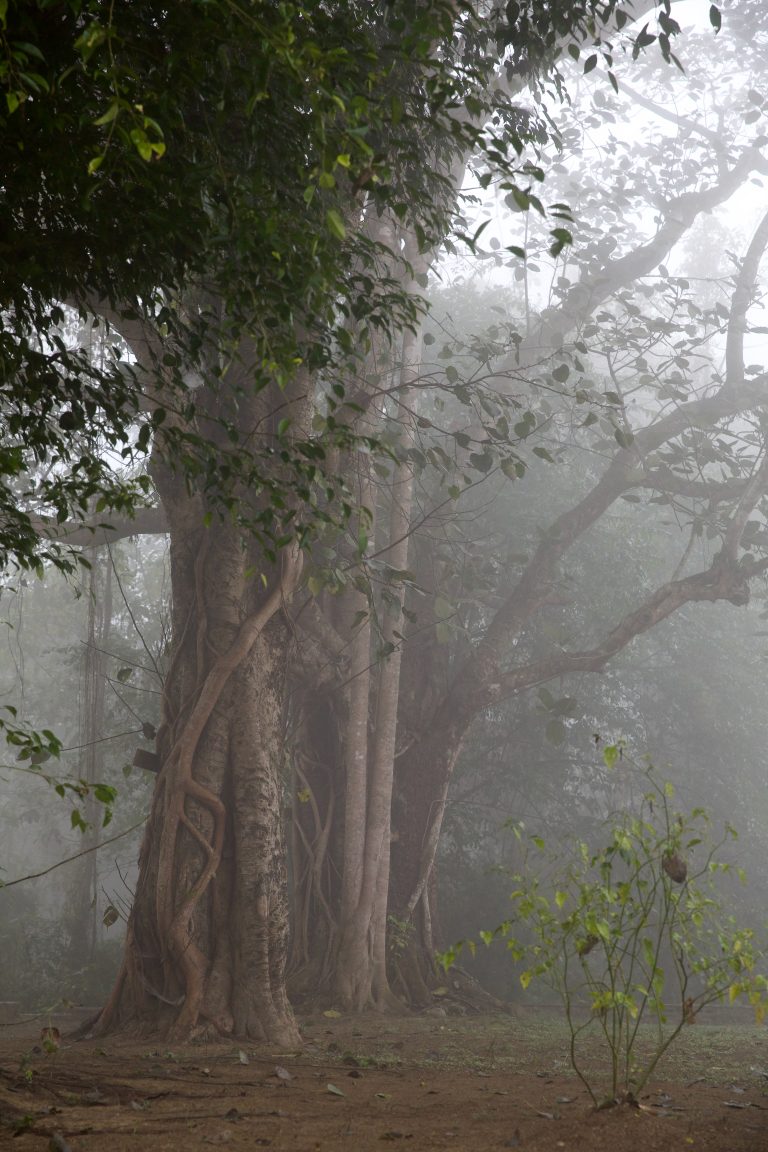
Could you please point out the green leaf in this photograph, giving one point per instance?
(335, 224)
(512, 469)
(109, 115)
(715, 17)
(610, 755)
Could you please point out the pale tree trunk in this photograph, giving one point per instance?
(361, 974)
(84, 901)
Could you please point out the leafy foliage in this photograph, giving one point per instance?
(202, 168)
(36, 749)
(632, 933)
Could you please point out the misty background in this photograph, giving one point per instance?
(86, 656)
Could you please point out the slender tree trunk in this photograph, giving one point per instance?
(84, 910)
(362, 977)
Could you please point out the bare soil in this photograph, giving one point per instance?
(467, 1084)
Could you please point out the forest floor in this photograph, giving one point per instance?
(464, 1084)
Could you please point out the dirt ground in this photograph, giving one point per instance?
(467, 1084)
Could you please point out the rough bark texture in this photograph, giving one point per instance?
(208, 933)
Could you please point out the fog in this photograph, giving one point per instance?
(535, 375)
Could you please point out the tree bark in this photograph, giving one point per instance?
(207, 936)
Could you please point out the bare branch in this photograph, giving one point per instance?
(69, 859)
(721, 581)
(146, 522)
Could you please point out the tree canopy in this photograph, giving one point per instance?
(200, 167)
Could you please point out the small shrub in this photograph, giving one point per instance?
(629, 934)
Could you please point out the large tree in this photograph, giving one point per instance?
(310, 156)
(310, 164)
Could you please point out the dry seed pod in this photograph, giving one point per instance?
(585, 946)
(675, 867)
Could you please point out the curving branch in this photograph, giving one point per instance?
(740, 302)
(723, 580)
(595, 288)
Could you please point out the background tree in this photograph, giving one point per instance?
(603, 360)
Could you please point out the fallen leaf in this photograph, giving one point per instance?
(57, 1143)
(243, 1057)
(334, 1090)
(94, 1096)
(282, 1073)
(332, 1014)
(222, 1137)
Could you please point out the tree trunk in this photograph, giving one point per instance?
(208, 932)
(84, 899)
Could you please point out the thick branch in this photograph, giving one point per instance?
(141, 337)
(146, 522)
(722, 581)
(740, 302)
(594, 289)
(682, 122)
